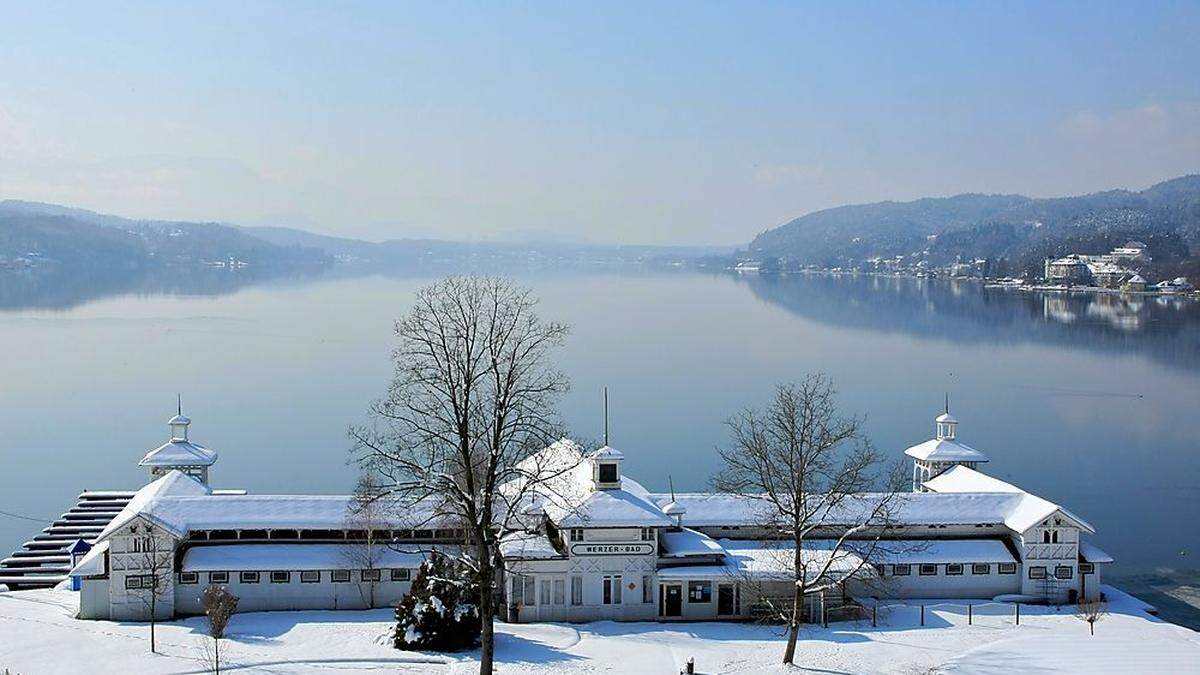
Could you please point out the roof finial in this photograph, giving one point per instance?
(947, 410)
(672, 482)
(178, 404)
(606, 415)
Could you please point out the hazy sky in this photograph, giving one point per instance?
(645, 122)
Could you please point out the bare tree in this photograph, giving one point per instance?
(808, 468)
(219, 607)
(473, 396)
(367, 527)
(155, 560)
(1092, 611)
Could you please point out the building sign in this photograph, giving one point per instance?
(642, 548)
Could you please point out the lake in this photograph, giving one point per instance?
(1087, 400)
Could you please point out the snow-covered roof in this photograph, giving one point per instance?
(918, 551)
(769, 560)
(1136, 279)
(959, 498)
(965, 479)
(265, 557)
(717, 509)
(674, 508)
(178, 452)
(946, 418)
(570, 499)
(144, 502)
(528, 546)
(1093, 554)
(92, 563)
(608, 452)
(179, 419)
(945, 450)
(1024, 510)
(685, 543)
(178, 503)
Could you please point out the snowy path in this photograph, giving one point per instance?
(39, 635)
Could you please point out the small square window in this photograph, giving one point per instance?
(281, 577)
(248, 577)
(401, 575)
(1064, 572)
(310, 576)
(699, 591)
(953, 569)
(339, 576)
(1007, 568)
(927, 570)
(1086, 568)
(880, 569)
(901, 570)
(133, 582)
(1037, 572)
(218, 577)
(608, 472)
(981, 568)
(369, 575)
(576, 534)
(187, 578)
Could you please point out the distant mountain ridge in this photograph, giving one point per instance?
(50, 236)
(1166, 216)
(56, 242)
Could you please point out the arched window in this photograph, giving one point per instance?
(1054, 536)
(1045, 536)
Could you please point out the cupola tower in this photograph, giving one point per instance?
(179, 453)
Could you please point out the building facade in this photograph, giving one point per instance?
(592, 544)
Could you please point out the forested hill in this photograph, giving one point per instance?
(1165, 216)
(51, 237)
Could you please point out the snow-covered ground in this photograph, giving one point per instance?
(38, 635)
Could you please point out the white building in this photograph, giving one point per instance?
(593, 544)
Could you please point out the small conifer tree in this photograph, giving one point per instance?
(441, 612)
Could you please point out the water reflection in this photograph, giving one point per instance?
(21, 290)
(1161, 327)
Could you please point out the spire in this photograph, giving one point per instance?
(179, 423)
(673, 508)
(946, 411)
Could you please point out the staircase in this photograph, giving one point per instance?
(43, 561)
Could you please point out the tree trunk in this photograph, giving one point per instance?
(487, 635)
(217, 656)
(152, 647)
(789, 654)
(1092, 627)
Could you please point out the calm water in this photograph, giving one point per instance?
(1090, 401)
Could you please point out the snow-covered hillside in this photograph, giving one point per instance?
(38, 635)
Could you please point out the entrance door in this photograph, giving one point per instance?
(671, 598)
(725, 600)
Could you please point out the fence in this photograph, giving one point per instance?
(901, 614)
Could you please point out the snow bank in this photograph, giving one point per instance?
(38, 634)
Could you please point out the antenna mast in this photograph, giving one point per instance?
(606, 415)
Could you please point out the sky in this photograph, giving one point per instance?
(647, 122)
